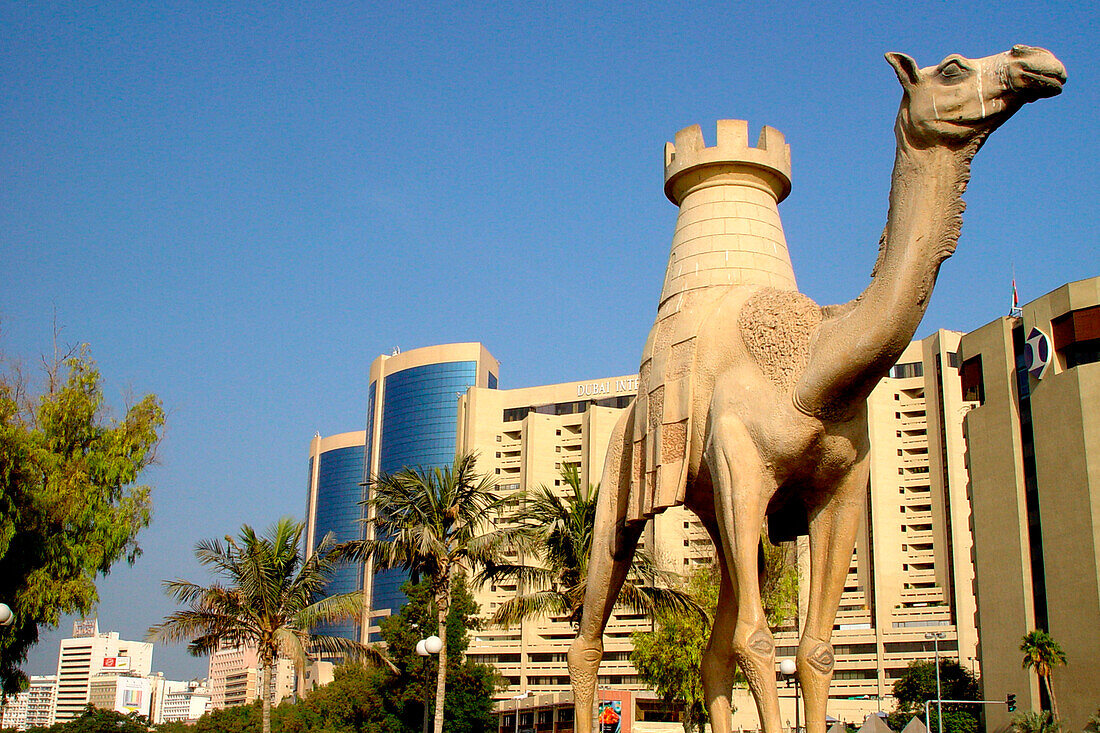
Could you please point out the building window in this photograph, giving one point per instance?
(1077, 336)
(908, 370)
(973, 381)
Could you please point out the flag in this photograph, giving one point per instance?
(1015, 296)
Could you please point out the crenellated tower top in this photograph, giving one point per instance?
(689, 163)
(728, 231)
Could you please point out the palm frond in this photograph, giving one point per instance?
(531, 605)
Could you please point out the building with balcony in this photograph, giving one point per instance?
(1033, 439)
(235, 678)
(88, 654)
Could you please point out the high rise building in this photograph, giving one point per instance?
(412, 410)
(525, 437)
(122, 693)
(1033, 438)
(13, 712)
(184, 703)
(89, 653)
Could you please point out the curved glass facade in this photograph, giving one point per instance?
(337, 510)
(419, 416)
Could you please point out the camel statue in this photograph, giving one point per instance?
(751, 403)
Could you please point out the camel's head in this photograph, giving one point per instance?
(961, 99)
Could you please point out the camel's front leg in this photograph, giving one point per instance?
(832, 538)
(613, 546)
(719, 667)
(742, 488)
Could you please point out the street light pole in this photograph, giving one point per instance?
(789, 667)
(935, 637)
(517, 698)
(7, 618)
(425, 648)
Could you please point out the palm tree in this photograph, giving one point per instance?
(1034, 723)
(430, 522)
(270, 599)
(1043, 653)
(558, 530)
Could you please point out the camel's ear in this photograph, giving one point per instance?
(906, 68)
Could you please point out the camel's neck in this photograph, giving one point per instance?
(858, 342)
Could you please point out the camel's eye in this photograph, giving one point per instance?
(952, 70)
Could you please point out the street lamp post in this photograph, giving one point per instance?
(7, 618)
(425, 648)
(517, 698)
(935, 636)
(788, 667)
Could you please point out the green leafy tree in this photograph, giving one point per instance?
(1093, 726)
(556, 533)
(1030, 722)
(669, 658)
(97, 720)
(269, 601)
(430, 522)
(1042, 653)
(237, 719)
(919, 684)
(69, 505)
(469, 707)
(354, 701)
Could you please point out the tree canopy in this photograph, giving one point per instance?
(1042, 653)
(919, 684)
(69, 504)
(670, 657)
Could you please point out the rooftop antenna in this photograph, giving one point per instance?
(1015, 311)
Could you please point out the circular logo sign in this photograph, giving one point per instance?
(1037, 353)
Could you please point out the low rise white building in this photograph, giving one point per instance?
(185, 705)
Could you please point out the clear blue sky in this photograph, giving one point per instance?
(239, 208)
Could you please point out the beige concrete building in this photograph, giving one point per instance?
(910, 574)
(1034, 449)
(88, 654)
(235, 677)
(122, 693)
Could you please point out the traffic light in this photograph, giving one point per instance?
(1010, 701)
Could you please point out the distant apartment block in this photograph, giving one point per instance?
(910, 573)
(184, 702)
(122, 693)
(88, 654)
(235, 677)
(40, 701)
(13, 713)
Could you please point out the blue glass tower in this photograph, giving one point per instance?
(412, 419)
(335, 493)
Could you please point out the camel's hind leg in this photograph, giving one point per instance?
(742, 489)
(613, 545)
(832, 536)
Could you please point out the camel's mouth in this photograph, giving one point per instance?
(1043, 82)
